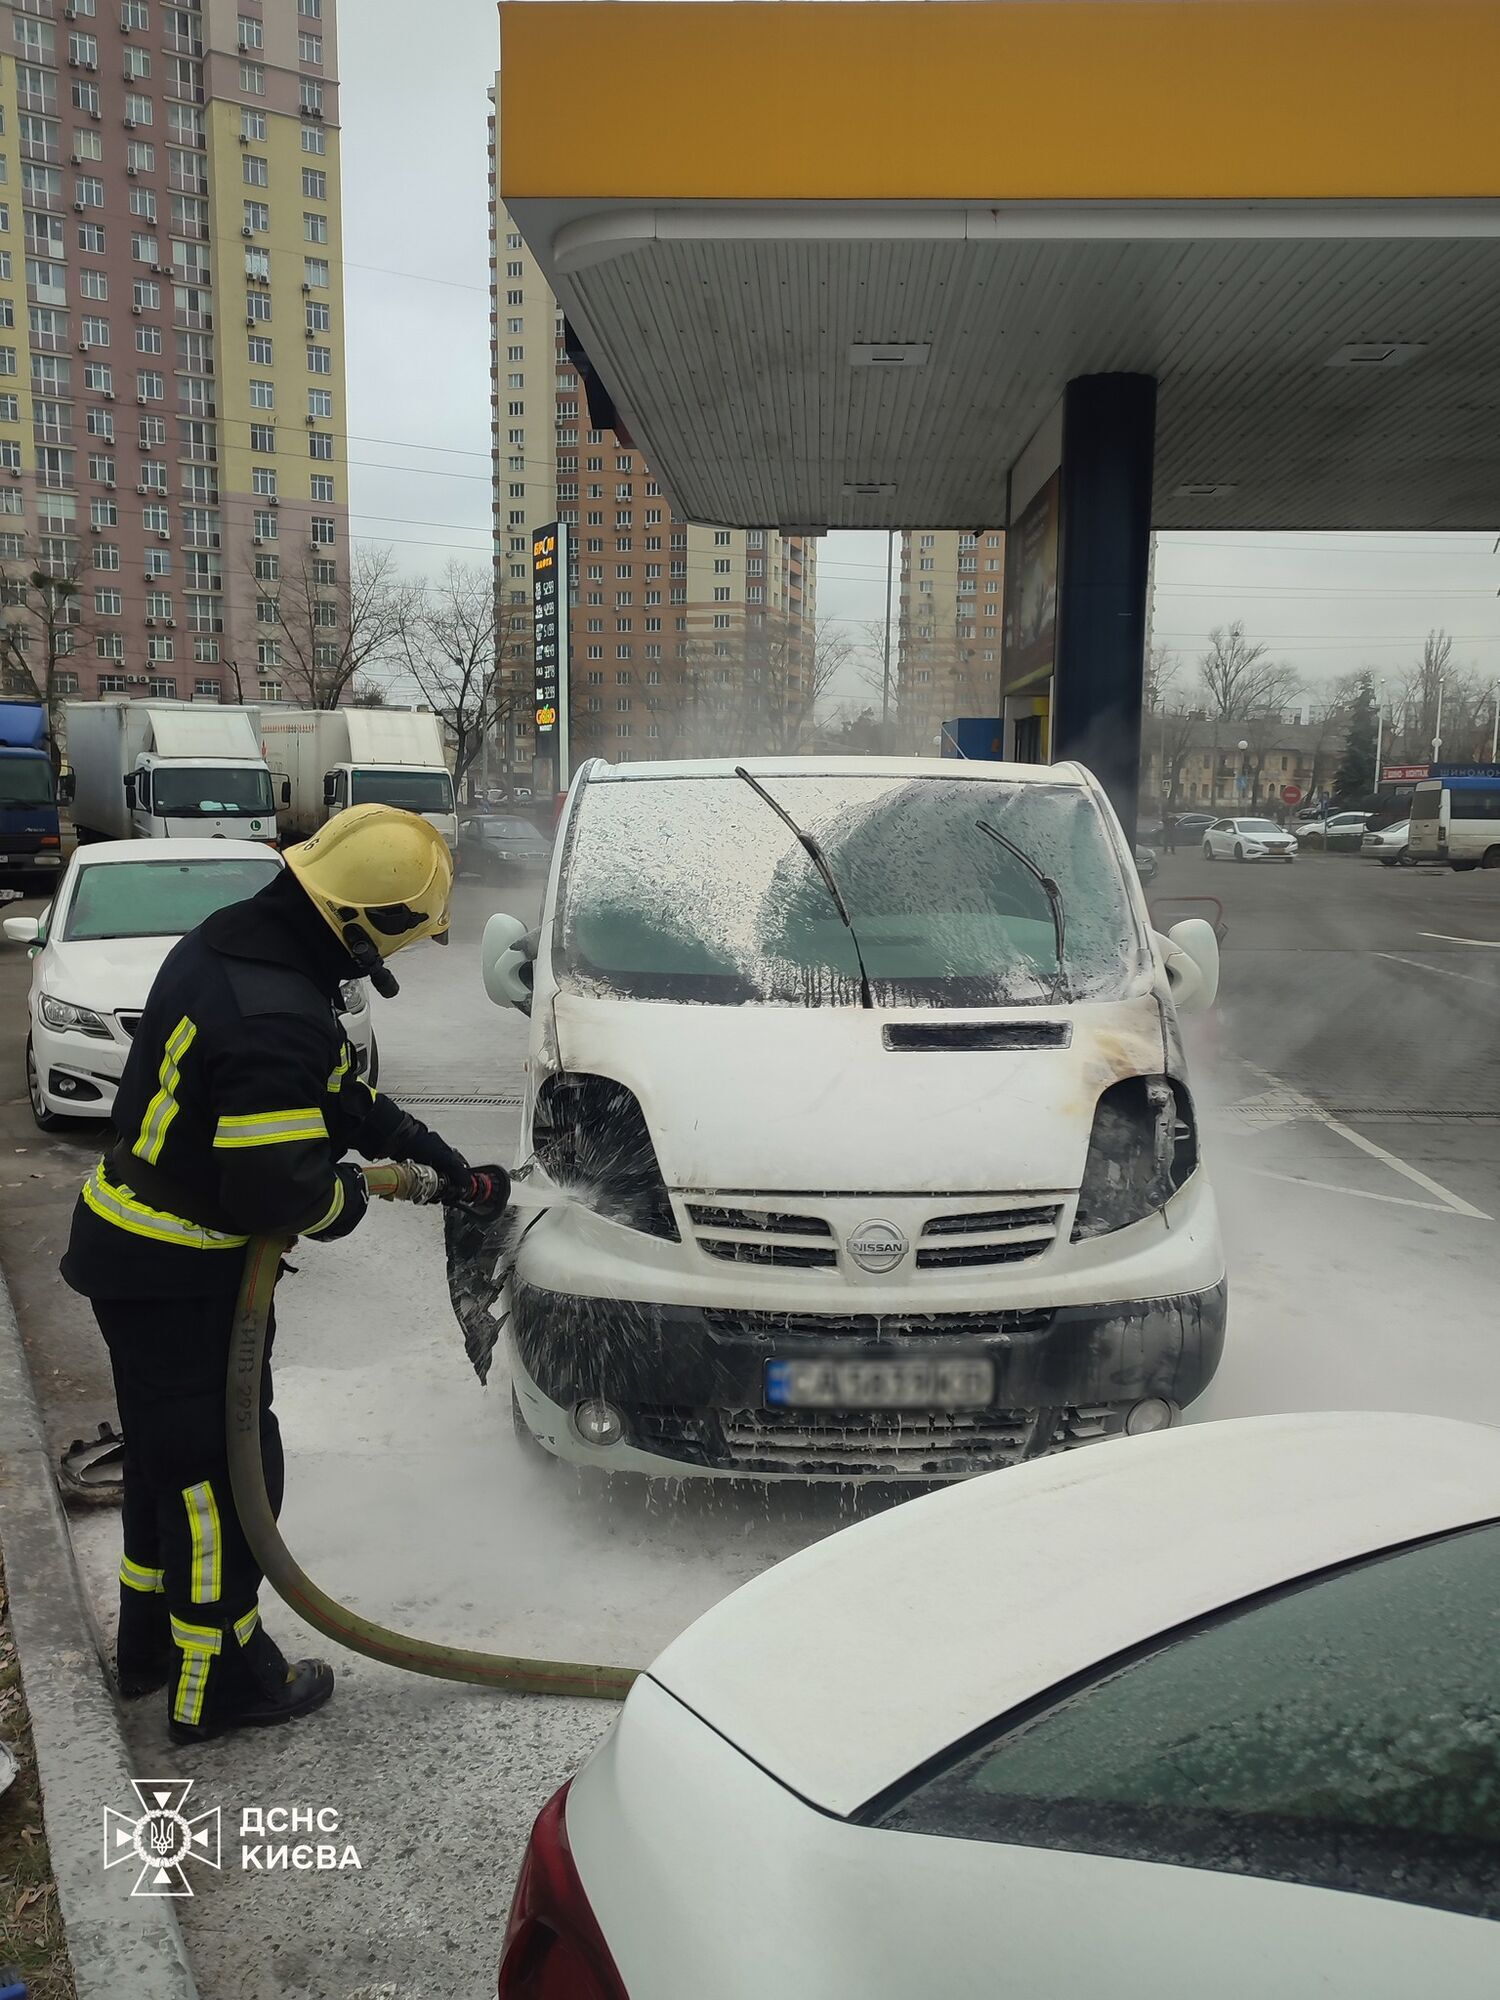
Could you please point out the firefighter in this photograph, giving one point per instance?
(238, 1101)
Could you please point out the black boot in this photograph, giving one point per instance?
(145, 1656)
(265, 1690)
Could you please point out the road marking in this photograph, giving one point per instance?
(1446, 937)
(1442, 971)
(1453, 1203)
(1332, 1187)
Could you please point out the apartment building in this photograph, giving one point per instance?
(172, 404)
(686, 640)
(952, 598)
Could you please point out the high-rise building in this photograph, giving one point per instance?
(685, 640)
(172, 408)
(952, 598)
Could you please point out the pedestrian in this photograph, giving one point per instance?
(1169, 833)
(238, 1101)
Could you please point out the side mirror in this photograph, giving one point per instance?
(23, 930)
(1191, 955)
(330, 789)
(507, 956)
(286, 791)
(67, 785)
(129, 783)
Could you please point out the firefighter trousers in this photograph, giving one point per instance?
(187, 1576)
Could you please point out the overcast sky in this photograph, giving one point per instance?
(415, 208)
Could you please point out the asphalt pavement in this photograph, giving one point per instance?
(1350, 1086)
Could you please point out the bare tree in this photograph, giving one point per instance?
(450, 645)
(39, 632)
(333, 632)
(1180, 732)
(1239, 678)
(1159, 679)
(1431, 685)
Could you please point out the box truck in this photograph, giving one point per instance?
(324, 759)
(146, 770)
(30, 839)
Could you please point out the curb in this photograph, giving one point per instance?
(121, 1947)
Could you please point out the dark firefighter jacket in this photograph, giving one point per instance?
(238, 1100)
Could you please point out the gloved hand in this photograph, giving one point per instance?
(413, 1141)
(486, 1188)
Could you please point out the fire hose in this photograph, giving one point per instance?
(282, 1570)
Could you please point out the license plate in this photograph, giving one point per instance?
(912, 1382)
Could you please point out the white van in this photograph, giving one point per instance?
(866, 1078)
(1455, 823)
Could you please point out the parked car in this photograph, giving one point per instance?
(1191, 827)
(1389, 845)
(1212, 1712)
(1248, 840)
(118, 911)
(1146, 863)
(500, 844)
(778, 1008)
(1343, 830)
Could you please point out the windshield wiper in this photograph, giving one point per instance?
(1060, 987)
(814, 852)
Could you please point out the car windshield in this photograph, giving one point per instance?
(1257, 826)
(509, 829)
(213, 791)
(693, 889)
(1345, 1732)
(25, 781)
(127, 899)
(412, 791)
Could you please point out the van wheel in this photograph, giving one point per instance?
(1463, 867)
(1491, 858)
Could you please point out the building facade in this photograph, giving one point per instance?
(686, 640)
(172, 404)
(950, 632)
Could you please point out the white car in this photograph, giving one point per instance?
(1390, 845)
(119, 909)
(1214, 1712)
(1248, 840)
(860, 1087)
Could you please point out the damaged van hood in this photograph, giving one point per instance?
(792, 1099)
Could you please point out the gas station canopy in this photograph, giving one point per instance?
(836, 263)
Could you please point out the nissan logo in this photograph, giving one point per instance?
(878, 1246)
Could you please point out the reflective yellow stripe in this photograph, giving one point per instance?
(208, 1547)
(244, 1628)
(335, 1209)
(335, 1081)
(136, 1576)
(163, 1107)
(199, 1644)
(117, 1204)
(270, 1128)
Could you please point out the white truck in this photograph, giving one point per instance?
(145, 770)
(324, 759)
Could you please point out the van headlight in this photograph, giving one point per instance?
(589, 1133)
(355, 999)
(1143, 1148)
(63, 1014)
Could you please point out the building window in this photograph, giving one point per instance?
(149, 386)
(263, 437)
(321, 487)
(110, 646)
(271, 690)
(263, 481)
(311, 95)
(315, 270)
(320, 402)
(257, 171)
(257, 216)
(310, 49)
(205, 690)
(253, 125)
(258, 306)
(138, 110)
(323, 531)
(314, 139)
(253, 79)
(260, 351)
(262, 395)
(319, 317)
(320, 444)
(251, 33)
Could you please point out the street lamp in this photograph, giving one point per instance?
(1241, 787)
(1379, 726)
(1437, 733)
(1495, 729)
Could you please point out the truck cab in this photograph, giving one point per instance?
(228, 798)
(417, 789)
(30, 835)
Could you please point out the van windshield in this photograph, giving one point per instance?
(25, 781)
(692, 889)
(213, 792)
(412, 790)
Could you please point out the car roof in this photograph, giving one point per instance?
(857, 1660)
(100, 854)
(845, 767)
